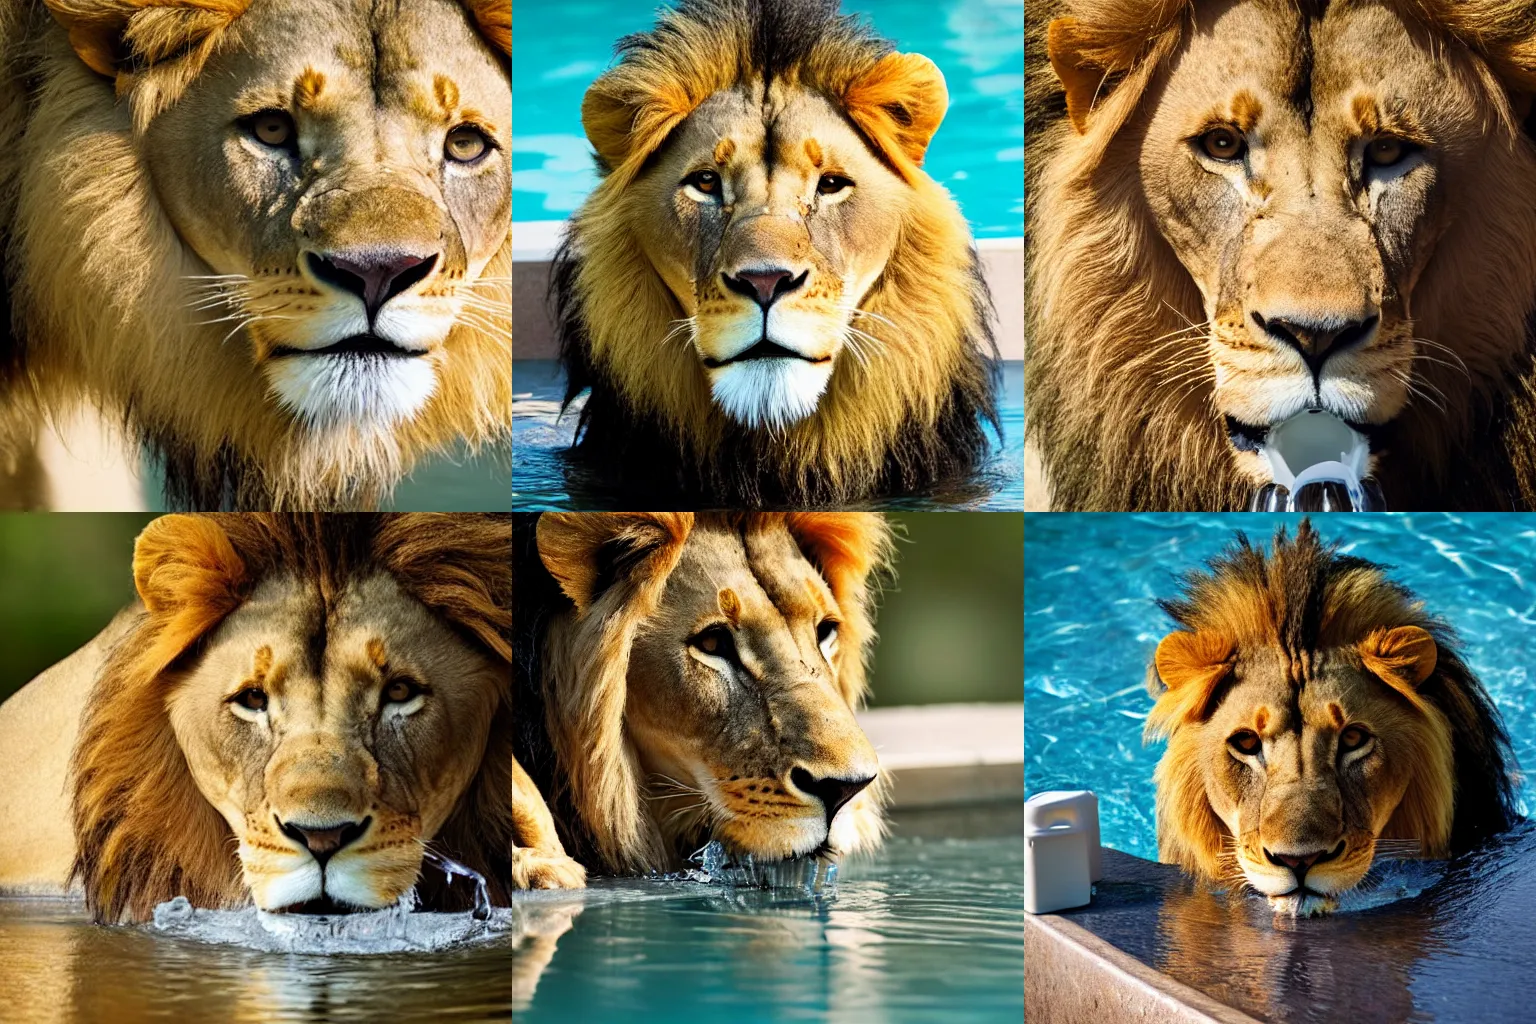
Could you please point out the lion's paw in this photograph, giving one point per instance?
(539, 869)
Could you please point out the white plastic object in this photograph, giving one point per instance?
(1061, 850)
(1316, 447)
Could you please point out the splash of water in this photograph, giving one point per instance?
(453, 869)
(394, 929)
(718, 866)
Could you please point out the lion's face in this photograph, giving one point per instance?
(341, 170)
(734, 705)
(335, 747)
(1307, 780)
(1299, 169)
(769, 219)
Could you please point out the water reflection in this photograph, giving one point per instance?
(903, 935)
(57, 968)
(1448, 955)
(543, 478)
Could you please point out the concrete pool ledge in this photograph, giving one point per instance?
(534, 243)
(942, 755)
(1158, 947)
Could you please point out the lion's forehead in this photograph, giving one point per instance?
(424, 58)
(1271, 65)
(762, 570)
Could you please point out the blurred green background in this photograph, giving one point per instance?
(951, 627)
(63, 575)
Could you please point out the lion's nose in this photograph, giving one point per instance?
(832, 792)
(323, 841)
(1301, 863)
(373, 277)
(1317, 336)
(765, 286)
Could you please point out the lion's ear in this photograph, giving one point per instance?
(587, 552)
(1191, 666)
(494, 18)
(111, 35)
(899, 103)
(183, 560)
(1084, 61)
(1402, 658)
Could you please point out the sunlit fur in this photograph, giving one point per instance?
(645, 747)
(138, 287)
(895, 300)
(153, 758)
(1133, 362)
(1297, 646)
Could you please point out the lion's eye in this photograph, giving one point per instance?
(1245, 741)
(1386, 151)
(271, 128)
(831, 184)
(1222, 143)
(1353, 738)
(707, 182)
(826, 632)
(401, 690)
(466, 144)
(716, 641)
(252, 698)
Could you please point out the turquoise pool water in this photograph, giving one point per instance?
(540, 434)
(978, 153)
(928, 930)
(1091, 625)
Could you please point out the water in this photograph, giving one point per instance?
(928, 929)
(540, 435)
(978, 153)
(58, 967)
(1091, 627)
(1453, 947)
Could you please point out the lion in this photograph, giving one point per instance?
(682, 678)
(767, 298)
(1316, 718)
(298, 709)
(1240, 211)
(272, 235)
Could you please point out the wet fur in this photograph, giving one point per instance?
(570, 668)
(915, 420)
(1305, 596)
(144, 833)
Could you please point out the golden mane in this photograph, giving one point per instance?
(909, 416)
(574, 638)
(1304, 596)
(1118, 425)
(144, 833)
(102, 309)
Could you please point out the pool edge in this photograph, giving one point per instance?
(1071, 976)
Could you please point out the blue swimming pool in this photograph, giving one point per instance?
(1091, 625)
(540, 435)
(978, 154)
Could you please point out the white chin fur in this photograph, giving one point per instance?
(347, 882)
(329, 391)
(274, 892)
(769, 392)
